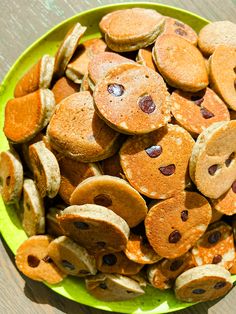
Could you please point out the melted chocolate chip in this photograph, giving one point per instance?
(214, 237)
(101, 244)
(109, 259)
(181, 32)
(198, 291)
(115, 89)
(184, 215)
(216, 259)
(197, 99)
(177, 23)
(174, 237)
(103, 200)
(154, 151)
(83, 272)
(8, 180)
(33, 261)
(176, 264)
(167, 170)
(146, 104)
(206, 113)
(233, 186)
(81, 225)
(103, 285)
(47, 259)
(67, 264)
(229, 159)
(220, 284)
(212, 169)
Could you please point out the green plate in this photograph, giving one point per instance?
(154, 301)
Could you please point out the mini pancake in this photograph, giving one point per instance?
(113, 287)
(101, 64)
(217, 33)
(174, 225)
(216, 246)
(226, 204)
(33, 221)
(215, 214)
(105, 21)
(77, 132)
(195, 112)
(78, 66)
(73, 173)
(26, 116)
(39, 76)
(112, 167)
(67, 48)
(45, 169)
(142, 89)
(180, 63)
(140, 251)
(212, 164)
(163, 274)
(94, 227)
(53, 227)
(113, 193)
(71, 258)
(178, 28)
(25, 148)
(132, 29)
(117, 263)
(223, 74)
(144, 57)
(33, 261)
(160, 156)
(203, 283)
(11, 177)
(64, 88)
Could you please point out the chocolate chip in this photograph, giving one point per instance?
(177, 23)
(103, 200)
(233, 186)
(47, 259)
(175, 236)
(83, 272)
(216, 259)
(8, 180)
(214, 237)
(101, 244)
(146, 104)
(198, 291)
(229, 159)
(154, 151)
(176, 264)
(220, 284)
(212, 169)
(181, 32)
(184, 215)
(81, 225)
(197, 99)
(103, 285)
(167, 170)
(33, 261)
(206, 113)
(115, 89)
(109, 259)
(67, 264)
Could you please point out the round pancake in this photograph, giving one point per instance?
(64, 88)
(195, 112)
(159, 157)
(77, 132)
(180, 63)
(140, 87)
(113, 193)
(203, 283)
(174, 225)
(226, 204)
